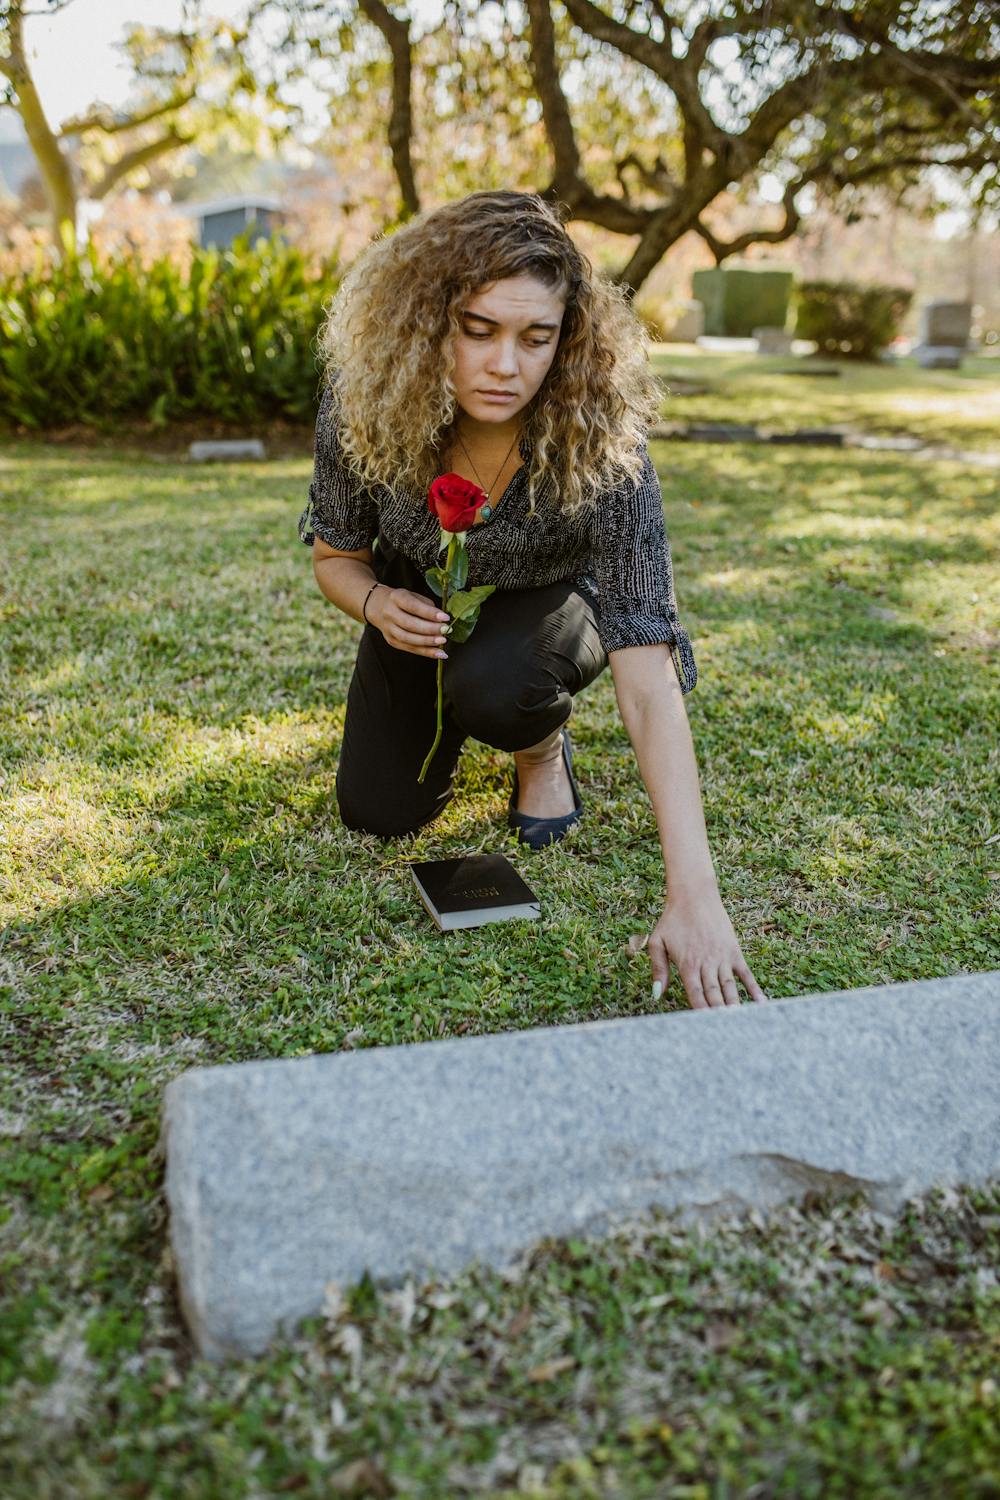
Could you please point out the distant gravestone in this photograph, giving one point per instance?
(937, 357)
(773, 341)
(230, 449)
(944, 335)
(689, 326)
(284, 1175)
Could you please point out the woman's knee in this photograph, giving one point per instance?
(365, 812)
(506, 713)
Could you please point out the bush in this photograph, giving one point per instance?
(738, 299)
(847, 318)
(233, 338)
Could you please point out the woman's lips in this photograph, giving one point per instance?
(498, 395)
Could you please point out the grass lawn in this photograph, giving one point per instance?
(956, 408)
(178, 890)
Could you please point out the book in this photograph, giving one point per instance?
(472, 891)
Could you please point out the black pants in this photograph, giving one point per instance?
(510, 685)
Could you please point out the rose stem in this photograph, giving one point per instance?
(440, 671)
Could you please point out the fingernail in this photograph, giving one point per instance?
(442, 654)
(446, 630)
(443, 617)
(657, 989)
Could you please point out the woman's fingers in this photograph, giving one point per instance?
(409, 637)
(700, 944)
(659, 961)
(750, 984)
(419, 610)
(414, 624)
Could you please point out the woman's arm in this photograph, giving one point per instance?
(406, 620)
(694, 931)
(344, 578)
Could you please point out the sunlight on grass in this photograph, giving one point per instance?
(261, 742)
(181, 891)
(58, 843)
(848, 728)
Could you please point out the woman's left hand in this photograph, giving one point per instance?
(696, 936)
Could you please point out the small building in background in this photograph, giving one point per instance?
(223, 220)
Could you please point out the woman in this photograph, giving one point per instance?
(476, 340)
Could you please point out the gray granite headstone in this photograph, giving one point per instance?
(226, 449)
(284, 1175)
(690, 324)
(773, 341)
(947, 323)
(938, 357)
(944, 335)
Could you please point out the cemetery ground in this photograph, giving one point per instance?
(783, 392)
(180, 891)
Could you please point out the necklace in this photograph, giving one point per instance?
(487, 510)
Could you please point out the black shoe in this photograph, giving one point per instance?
(538, 832)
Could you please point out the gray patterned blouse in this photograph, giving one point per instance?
(617, 552)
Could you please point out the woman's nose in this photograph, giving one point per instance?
(503, 358)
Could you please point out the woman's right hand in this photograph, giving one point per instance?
(409, 622)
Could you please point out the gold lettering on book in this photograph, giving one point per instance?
(474, 893)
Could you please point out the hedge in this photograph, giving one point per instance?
(848, 318)
(234, 337)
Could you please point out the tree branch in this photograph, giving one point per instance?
(138, 157)
(568, 183)
(109, 124)
(723, 248)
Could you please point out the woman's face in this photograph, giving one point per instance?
(510, 332)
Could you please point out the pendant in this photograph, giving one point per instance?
(486, 511)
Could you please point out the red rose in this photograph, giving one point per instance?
(454, 501)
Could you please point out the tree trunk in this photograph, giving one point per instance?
(57, 177)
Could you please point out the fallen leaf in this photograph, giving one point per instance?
(719, 1334)
(551, 1368)
(637, 942)
(361, 1477)
(519, 1322)
(877, 1310)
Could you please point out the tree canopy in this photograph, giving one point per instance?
(635, 115)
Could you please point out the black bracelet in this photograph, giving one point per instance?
(364, 607)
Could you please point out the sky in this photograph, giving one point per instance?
(73, 53)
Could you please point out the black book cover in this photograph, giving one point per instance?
(473, 890)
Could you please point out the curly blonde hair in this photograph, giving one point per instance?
(388, 340)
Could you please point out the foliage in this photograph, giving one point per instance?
(648, 117)
(850, 318)
(233, 337)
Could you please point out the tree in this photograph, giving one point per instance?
(817, 93)
(697, 101)
(193, 83)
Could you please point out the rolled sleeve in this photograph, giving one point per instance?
(633, 570)
(341, 511)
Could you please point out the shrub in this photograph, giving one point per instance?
(850, 319)
(233, 338)
(658, 313)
